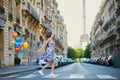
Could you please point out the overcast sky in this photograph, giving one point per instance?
(71, 10)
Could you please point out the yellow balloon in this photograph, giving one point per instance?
(26, 45)
(13, 43)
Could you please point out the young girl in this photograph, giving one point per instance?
(49, 55)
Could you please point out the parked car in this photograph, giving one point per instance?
(105, 60)
(111, 60)
(42, 62)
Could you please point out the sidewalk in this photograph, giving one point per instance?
(17, 69)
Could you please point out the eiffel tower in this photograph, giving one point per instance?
(84, 38)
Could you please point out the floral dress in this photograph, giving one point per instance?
(49, 54)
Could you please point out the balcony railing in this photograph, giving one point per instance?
(100, 22)
(27, 6)
(99, 42)
(118, 41)
(118, 11)
(106, 25)
(112, 33)
(112, 20)
(45, 26)
(48, 16)
(111, 6)
(118, 24)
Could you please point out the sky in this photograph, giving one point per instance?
(71, 10)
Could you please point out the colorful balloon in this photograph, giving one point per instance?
(17, 44)
(21, 45)
(17, 39)
(12, 42)
(14, 35)
(17, 49)
(21, 52)
(25, 45)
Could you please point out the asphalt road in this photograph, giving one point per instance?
(75, 71)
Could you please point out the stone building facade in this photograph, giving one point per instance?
(105, 31)
(31, 19)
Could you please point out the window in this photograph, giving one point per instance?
(9, 35)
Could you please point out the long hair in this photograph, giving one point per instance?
(48, 35)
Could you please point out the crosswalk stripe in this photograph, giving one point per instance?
(48, 76)
(105, 77)
(80, 76)
(28, 76)
(72, 76)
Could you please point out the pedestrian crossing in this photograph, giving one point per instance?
(70, 76)
(82, 76)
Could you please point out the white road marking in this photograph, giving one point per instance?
(11, 76)
(28, 76)
(80, 76)
(105, 77)
(48, 76)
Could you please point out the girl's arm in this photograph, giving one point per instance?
(51, 36)
(44, 45)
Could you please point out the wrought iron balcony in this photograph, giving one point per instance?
(112, 20)
(118, 26)
(47, 16)
(118, 10)
(100, 22)
(27, 7)
(118, 41)
(112, 33)
(98, 42)
(111, 6)
(45, 26)
(106, 25)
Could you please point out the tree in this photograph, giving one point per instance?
(80, 53)
(71, 53)
(87, 51)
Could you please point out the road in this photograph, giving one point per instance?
(75, 71)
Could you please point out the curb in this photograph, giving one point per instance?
(18, 71)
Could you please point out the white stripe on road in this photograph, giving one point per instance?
(28, 76)
(105, 77)
(80, 76)
(49, 76)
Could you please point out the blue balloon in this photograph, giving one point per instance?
(21, 52)
(17, 39)
(17, 44)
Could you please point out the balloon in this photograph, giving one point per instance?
(17, 49)
(21, 45)
(17, 39)
(17, 44)
(13, 43)
(14, 35)
(25, 45)
(21, 52)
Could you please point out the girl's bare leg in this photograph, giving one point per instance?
(45, 66)
(53, 67)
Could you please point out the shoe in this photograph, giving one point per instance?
(53, 75)
(41, 72)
